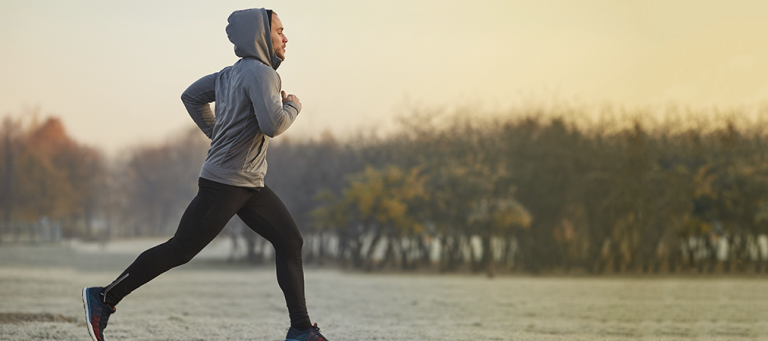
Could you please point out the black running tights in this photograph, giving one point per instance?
(214, 205)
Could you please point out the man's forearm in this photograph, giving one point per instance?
(197, 98)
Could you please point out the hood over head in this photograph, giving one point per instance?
(249, 30)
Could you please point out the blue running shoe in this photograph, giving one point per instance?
(96, 312)
(311, 334)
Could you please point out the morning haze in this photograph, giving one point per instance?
(598, 165)
(114, 71)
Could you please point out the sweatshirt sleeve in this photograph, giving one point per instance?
(197, 98)
(273, 115)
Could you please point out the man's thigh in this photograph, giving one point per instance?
(266, 215)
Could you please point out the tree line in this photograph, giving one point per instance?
(535, 191)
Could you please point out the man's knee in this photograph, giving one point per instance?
(182, 253)
(183, 258)
(296, 243)
(290, 247)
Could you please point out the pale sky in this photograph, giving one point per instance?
(114, 71)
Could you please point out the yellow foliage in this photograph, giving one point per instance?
(501, 214)
(703, 183)
(385, 196)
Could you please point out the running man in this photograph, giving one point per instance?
(250, 109)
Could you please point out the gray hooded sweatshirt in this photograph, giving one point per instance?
(249, 108)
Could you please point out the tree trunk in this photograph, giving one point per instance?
(444, 259)
(425, 252)
(473, 261)
(371, 249)
(487, 260)
(389, 254)
(403, 253)
(356, 250)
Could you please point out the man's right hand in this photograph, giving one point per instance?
(290, 97)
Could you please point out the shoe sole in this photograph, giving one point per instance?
(88, 315)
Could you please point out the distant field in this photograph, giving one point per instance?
(211, 300)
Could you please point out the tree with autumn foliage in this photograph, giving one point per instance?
(45, 173)
(377, 204)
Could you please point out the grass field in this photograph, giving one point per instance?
(209, 299)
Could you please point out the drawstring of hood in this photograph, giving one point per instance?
(249, 30)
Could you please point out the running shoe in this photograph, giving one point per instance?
(96, 312)
(311, 334)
